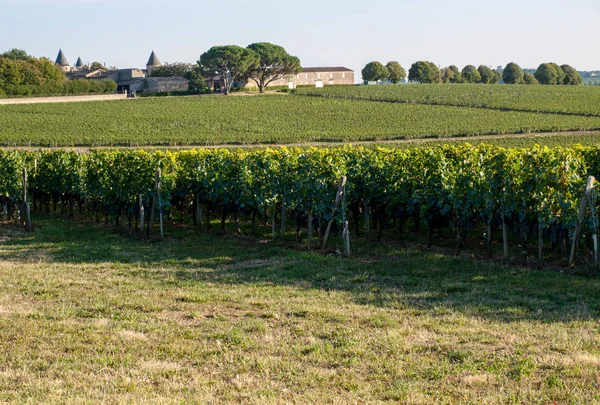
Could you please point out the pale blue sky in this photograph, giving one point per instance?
(322, 33)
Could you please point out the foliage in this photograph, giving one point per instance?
(274, 119)
(572, 76)
(576, 100)
(176, 69)
(487, 75)
(15, 54)
(559, 71)
(98, 65)
(470, 74)
(16, 73)
(396, 72)
(465, 183)
(547, 73)
(374, 72)
(451, 74)
(528, 78)
(512, 74)
(274, 64)
(229, 63)
(424, 72)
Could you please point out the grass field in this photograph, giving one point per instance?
(259, 119)
(91, 315)
(583, 100)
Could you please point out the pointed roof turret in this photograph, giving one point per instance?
(79, 62)
(61, 59)
(153, 60)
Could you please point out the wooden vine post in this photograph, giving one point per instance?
(310, 228)
(160, 208)
(283, 216)
(25, 216)
(367, 224)
(338, 198)
(582, 208)
(142, 216)
(198, 211)
(346, 230)
(505, 238)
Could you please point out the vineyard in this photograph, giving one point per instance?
(576, 100)
(277, 119)
(533, 193)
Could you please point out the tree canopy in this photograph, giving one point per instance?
(396, 72)
(15, 54)
(98, 65)
(175, 69)
(486, 75)
(374, 72)
(470, 74)
(547, 73)
(528, 78)
(424, 72)
(513, 74)
(229, 63)
(572, 76)
(274, 64)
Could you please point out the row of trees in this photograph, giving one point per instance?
(261, 62)
(375, 72)
(18, 69)
(428, 72)
(552, 74)
(24, 75)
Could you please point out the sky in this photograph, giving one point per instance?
(348, 33)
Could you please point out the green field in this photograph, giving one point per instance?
(258, 119)
(230, 310)
(583, 100)
(90, 315)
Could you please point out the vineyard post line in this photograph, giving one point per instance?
(582, 208)
(338, 197)
(25, 216)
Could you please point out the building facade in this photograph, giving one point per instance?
(128, 80)
(310, 76)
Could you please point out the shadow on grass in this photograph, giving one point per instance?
(388, 277)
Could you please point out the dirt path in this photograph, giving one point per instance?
(390, 142)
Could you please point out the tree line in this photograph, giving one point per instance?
(428, 72)
(260, 62)
(24, 75)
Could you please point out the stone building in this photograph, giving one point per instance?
(153, 62)
(62, 62)
(128, 80)
(312, 76)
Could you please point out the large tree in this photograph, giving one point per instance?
(528, 78)
(396, 72)
(176, 69)
(15, 54)
(572, 76)
(453, 74)
(275, 63)
(98, 65)
(424, 72)
(229, 63)
(487, 75)
(561, 75)
(513, 74)
(374, 72)
(192, 73)
(470, 74)
(547, 73)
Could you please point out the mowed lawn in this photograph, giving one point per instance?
(88, 314)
